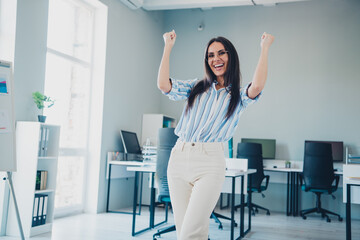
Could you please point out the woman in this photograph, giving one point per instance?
(196, 170)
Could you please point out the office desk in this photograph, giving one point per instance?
(349, 184)
(292, 196)
(125, 164)
(231, 174)
(293, 185)
(139, 170)
(351, 178)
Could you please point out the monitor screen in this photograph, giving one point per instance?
(130, 142)
(268, 146)
(337, 149)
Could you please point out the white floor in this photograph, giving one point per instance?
(112, 226)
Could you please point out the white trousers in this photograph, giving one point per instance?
(196, 173)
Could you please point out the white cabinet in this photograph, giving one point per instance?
(151, 124)
(351, 174)
(37, 147)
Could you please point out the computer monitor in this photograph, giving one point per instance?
(337, 148)
(268, 146)
(130, 142)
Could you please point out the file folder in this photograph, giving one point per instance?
(35, 211)
(43, 220)
(40, 212)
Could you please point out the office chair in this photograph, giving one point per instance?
(253, 152)
(166, 141)
(318, 176)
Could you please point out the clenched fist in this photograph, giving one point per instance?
(169, 38)
(266, 40)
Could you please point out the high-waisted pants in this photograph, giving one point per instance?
(196, 173)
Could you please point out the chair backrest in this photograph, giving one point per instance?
(318, 170)
(166, 141)
(253, 152)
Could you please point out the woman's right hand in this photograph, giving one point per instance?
(169, 38)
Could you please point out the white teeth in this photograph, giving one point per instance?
(219, 65)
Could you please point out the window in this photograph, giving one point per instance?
(69, 72)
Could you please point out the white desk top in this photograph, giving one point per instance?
(236, 173)
(149, 168)
(133, 163)
(229, 173)
(352, 180)
(282, 169)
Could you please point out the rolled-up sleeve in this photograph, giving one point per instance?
(180, 89)
(245, 99)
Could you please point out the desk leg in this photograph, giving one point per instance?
(108, 192)
(288, 195)
(136, 188)
(242, 208)
(249, 205)
(292, 196)
(296, 194)
(348, 212)
(152, 202)
(232, 209)
(141, 190)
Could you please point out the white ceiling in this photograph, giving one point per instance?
(204, 4)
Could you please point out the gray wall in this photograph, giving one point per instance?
(134, 45)
(30, 56)
(313, 83)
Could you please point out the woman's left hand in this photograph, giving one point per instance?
(266, 40)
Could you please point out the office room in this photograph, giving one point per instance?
(99, 60)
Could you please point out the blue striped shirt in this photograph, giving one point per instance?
(206, 121)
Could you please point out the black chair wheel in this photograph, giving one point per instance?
(304, 217)
(256, 210)
(268, 213)
(220, 227)
(328, 220)
(235, 225)
(340, 219)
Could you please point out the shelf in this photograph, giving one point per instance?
(44, 191)
(40, 229)
(28, 140)
(47, 158)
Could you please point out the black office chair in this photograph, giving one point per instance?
(166, 141)
(318, 176)
(253, 152)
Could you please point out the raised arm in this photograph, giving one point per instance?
(163, 82)
(260, 75)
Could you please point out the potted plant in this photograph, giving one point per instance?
(287, 164)
(41, 102)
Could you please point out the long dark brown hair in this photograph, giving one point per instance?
(232, 77)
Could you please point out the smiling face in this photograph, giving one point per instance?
(217, 58)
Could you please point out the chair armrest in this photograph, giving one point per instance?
(267, 177)
(337, 179)
(301, 179)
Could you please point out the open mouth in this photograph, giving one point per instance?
(218, 67)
